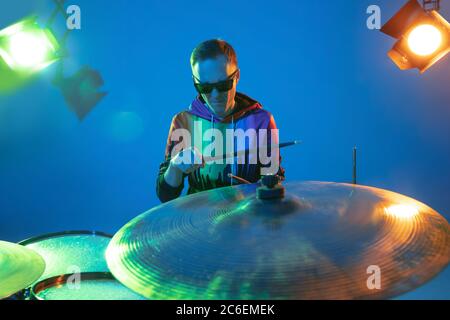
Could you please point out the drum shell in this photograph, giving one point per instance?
(51, 286)
(67, 252)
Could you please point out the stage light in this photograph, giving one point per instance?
(26, 47)
(423, 37)
(424, 40)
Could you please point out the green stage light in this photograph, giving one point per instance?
(26, 47)
(423, 37)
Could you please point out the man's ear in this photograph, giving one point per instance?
(238, 75)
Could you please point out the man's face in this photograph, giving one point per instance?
(212, 71)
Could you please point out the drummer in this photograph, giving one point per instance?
(217, 106)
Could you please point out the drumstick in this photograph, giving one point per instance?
(232, 176)
(243, 152)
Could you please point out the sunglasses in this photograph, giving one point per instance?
(221, 86)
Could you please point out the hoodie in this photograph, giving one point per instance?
(247, 114)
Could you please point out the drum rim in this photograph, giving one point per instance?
(51, 235)
(57, 280)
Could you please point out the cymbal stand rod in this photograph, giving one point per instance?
(354, 165)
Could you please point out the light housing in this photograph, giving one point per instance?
(25, 47)
(423, 37)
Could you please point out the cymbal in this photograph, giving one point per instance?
(19, 267)
(323, 240)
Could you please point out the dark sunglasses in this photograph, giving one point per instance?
(221, 86)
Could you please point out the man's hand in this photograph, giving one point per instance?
(184, 162)
(187, 160)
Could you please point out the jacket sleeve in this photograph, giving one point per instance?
(164, 191)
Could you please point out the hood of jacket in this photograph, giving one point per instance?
(243, 106)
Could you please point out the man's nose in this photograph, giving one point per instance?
(214, 93)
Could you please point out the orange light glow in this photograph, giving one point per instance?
(402, 211)
(424, 40)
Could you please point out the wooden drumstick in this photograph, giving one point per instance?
(243, 152)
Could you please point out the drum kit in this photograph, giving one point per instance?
(264, 240)
(267, 240)
(59, 266)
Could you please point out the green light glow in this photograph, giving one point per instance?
(26, 47)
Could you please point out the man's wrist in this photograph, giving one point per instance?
(173, 176)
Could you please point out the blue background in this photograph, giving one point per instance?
(314, 64)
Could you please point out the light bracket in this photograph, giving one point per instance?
(431, 5)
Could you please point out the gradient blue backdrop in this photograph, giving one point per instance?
(313, 64)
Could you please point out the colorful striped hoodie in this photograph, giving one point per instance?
(247, 114)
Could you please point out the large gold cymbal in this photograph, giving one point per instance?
(19, 267)
(322, 241)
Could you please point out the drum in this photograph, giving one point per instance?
(70, 252)
(83, 286)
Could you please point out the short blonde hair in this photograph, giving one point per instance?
(211, 49)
